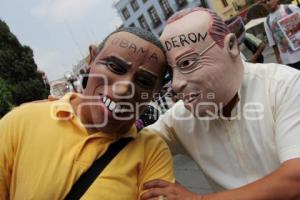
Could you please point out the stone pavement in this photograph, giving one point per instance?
(189, 175)
(187, 172)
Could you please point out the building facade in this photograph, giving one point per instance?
(150, 14)
(230, 8)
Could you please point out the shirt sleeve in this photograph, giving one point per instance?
(269, 33)
(166, 128)
(294, 8)
(6, 153)
(287, 127)
(158, 161)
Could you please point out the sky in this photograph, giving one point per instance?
(59, 31)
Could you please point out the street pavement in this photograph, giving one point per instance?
(189, 175)
(186, 170)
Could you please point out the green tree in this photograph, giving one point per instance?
(5, 97)
(18, 72)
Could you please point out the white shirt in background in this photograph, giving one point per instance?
(275, 35)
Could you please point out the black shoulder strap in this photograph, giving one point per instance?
(87, 178)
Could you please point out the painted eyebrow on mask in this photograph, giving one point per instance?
(183, 54)
(119, 61)
(148, 73)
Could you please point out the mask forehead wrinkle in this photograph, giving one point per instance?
(181, 36)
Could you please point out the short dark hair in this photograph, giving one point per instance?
(143, 34)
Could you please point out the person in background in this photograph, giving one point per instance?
(252, 43)
(277, 39)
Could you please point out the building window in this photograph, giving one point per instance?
(132, 25)
(125, 13)
(181, 3)
(154, 17)
(165, 6)
(225, 3)
(134, 4)
(143, 23)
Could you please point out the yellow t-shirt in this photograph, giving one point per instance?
(43, 154)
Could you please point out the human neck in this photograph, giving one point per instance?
(275, 9)
(226, 111)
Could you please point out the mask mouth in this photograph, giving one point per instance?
(114, 106)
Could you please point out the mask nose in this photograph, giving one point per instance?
(124, 88)
(178, 82)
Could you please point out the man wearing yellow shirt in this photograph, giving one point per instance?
(45, 147)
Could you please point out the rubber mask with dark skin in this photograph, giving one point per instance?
(123, 76)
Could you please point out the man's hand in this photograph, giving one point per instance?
(170, 191)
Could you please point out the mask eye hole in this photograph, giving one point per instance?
(187, 64)
(118, 69)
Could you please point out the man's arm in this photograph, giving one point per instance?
(277, 54)
(258, 52)
(7, 150)
(158, 160)
(282, 184)
(254, 44)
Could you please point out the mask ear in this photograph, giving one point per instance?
(93, 53)
(91, 58)
(85, 78)
(231, 45)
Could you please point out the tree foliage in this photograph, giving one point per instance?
(5, 97)
(19, 80)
